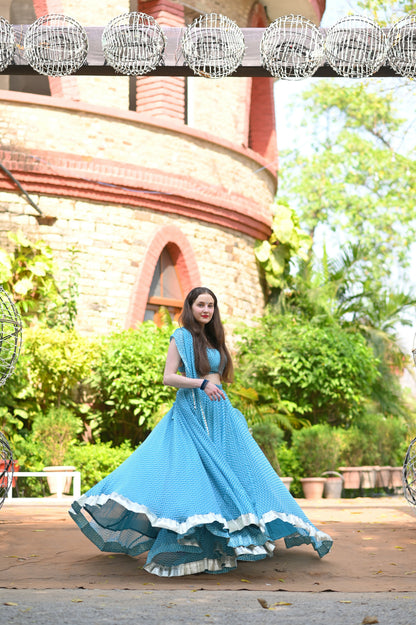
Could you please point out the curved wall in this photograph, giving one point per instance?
(116, 183)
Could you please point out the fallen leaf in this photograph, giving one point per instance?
(378, 572)
(245, 580)
(410, 572)
(263, 603)
(342, 601)
(369, 620)
(10, 603)
(397, 547)
(282, 603)
(281, 580)
(77, 600)
(393, 564)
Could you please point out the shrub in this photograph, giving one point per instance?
(50, 371)
(375, 440)
(317, 449)
(127, 381)
(324, 372)
(96, 461)
(53, 433)
(269, 437)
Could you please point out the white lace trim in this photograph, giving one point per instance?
(233, 525)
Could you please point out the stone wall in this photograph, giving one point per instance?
(112, 241)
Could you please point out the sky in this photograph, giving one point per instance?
(289, 132)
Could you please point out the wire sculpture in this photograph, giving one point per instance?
(10, 336)
(292, 47)
(213, 46)
(6, 468)
(402, 46)
(7, 44)
(356, 47)
(56, 45)
(133, 43)
(409, 473)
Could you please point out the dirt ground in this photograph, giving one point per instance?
(374, 551)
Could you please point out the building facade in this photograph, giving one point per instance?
(160, 183)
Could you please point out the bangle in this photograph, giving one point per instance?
(203, 385)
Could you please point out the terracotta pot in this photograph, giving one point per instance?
(313, 487)
(351, 475)
(383, 477)
(59, 484)
(396, 478)
(368, 477)
(287, 481)
(359, 477)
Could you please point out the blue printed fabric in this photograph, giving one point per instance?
(198, 494)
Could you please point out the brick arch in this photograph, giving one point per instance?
(261, 116)
(183, 258)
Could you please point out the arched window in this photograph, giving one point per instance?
(165, 289)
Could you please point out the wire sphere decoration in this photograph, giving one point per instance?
(7, 44)
(10, 336)
(356, 47)
(213, 46)
(292, 48)
(56, 45)
(409, 473)
(402, 46)
(6, 468)
(133, 44)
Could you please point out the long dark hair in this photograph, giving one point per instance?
(208, 335)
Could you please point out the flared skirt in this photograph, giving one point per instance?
(198, 495)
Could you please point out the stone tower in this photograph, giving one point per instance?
(161, 183)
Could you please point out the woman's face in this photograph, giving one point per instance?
(203, 308)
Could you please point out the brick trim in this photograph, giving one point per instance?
(133, 117)
(113, 182)
(183, 258)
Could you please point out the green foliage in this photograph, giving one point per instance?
(28, 275)
(385, 13)
(354, 181)
(96, 461)
(286, 242)
(375, 440)
(325, 372)
(317, 449)
(51, 368)
(269, 437)
(127, 381)
(53, 433)
(63, 312)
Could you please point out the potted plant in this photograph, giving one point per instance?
(54, 432)
(317, 449)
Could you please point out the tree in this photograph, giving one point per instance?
(323, 372)
(354, 182)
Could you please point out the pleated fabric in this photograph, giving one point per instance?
(198, 494)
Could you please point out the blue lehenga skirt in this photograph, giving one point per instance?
(198, 494)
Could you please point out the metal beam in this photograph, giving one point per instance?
(173, 62)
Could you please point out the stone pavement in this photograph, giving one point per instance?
(53, 574)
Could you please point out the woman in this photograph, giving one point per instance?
(198, 494)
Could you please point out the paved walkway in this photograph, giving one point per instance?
(50, 573)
